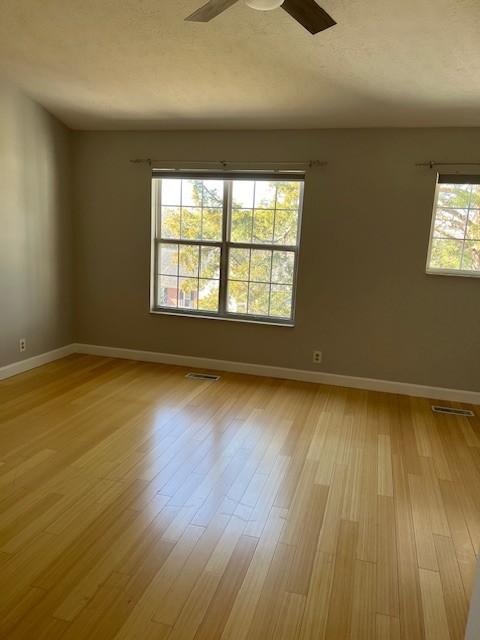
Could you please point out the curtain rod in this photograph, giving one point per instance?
(432, 163)
(225, 163)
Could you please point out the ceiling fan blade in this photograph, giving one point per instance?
(211, 10)
(309, 15)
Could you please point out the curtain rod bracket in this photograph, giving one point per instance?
(142, 161)
(430, 164)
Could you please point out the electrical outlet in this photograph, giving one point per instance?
(317, 357)
(22, 344)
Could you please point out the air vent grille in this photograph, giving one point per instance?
(202, 376)
(452, 411)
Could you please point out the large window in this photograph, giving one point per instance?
(455, 236)
(226, 245)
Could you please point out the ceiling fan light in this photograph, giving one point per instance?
(264, 5)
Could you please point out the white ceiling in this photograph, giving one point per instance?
(135, 64)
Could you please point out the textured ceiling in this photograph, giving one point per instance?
(135, 64)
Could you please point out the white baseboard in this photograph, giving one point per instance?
(319, 377)
(403, 388)
(36, 361)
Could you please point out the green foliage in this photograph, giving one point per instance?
(446, 254)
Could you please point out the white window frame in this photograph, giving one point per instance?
(225, 244)
(464, 273)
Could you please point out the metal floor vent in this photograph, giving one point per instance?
(455, 412)
(202, 376)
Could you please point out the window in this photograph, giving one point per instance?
(226, 245)
(455, 236)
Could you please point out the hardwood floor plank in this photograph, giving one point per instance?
(271, 597)
(170, 607)
(385, 477)
(387, 628)
(434, 614)
(364, 601)
(140, 618)
(318, 598)
(411, 614)
(462, 541)
(422, 523)
(387, 559)
(340, 608)
(456, 603)
(243, 609)
(218, 611)
(289, 623)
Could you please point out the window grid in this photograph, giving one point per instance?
(225, 245)
(271, 263)
(254, 240)
(434, 235)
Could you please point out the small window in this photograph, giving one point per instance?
(455, 236)
(226, 245)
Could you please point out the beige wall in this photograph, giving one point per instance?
(363, 296)
(35, 229)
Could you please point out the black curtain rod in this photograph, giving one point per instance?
(225, 163)
(432, 163)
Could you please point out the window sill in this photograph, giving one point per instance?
(205, 316)
(453, 272)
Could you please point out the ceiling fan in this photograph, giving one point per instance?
(306, 12)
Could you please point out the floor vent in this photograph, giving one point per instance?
(455, 412)
(202, 376)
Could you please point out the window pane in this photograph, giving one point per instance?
(191, 223)
(239, 264)
(168, 259)
(265, 194)
(208, 295)
(170, 226)
(193, 292)
(210, 262)
(446, 254)
(242, 221)
(282, 267)
(473, 227)
(260, 265)
(281, 301)
(188, 260)
(286, 223)
(454, 195)
(475, 196)
(167, 291)
(171, 190)
(263, 225)
(471, 256)
(187, 293)
(212, 193)
(288, 195)
(450, 223)
(212, 224)
(192, 193)
(242, 194)
(237, 297)
(258, 299)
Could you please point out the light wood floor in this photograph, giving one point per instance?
(135, 503)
